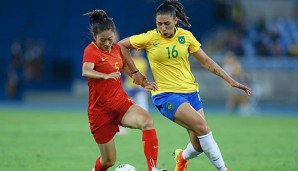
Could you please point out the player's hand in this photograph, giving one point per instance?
(150, 86)
(241, 86)
(113, 75)
(138, 78)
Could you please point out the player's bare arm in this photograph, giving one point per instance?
(211, 66)
(137, 77)
(126, 69)
(89, 72)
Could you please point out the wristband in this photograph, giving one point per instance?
(134, 72)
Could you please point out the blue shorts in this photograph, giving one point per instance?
(168, 103)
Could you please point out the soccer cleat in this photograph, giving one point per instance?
(181, 164)
(154, 169)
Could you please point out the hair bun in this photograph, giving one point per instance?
(96, 15)
(100, 13)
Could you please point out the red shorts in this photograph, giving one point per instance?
(105, 124)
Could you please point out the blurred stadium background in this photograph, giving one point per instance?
(256, 41)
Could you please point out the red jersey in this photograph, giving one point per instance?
(104, 94)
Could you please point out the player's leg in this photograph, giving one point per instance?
(108, 156)
(136, 117)
(103, 127)
(168, 104)
(192, 150)
(192, 120)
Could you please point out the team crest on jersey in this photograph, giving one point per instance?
(181, 39)
(170, 106)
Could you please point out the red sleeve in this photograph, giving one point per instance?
(89, 55)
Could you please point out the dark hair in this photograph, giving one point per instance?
(99, 22)
(174, 8)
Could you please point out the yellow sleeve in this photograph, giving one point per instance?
(141, 40)
(194, 44)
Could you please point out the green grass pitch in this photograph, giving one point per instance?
(60, 140)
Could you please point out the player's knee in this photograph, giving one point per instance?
(202, 129)
(147, 124)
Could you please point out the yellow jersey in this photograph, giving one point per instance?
(168, 59)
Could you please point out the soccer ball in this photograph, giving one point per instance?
(125, 167)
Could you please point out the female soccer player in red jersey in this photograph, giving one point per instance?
(109, 106)
(177, 97)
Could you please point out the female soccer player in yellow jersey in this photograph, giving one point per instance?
(177, 96)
